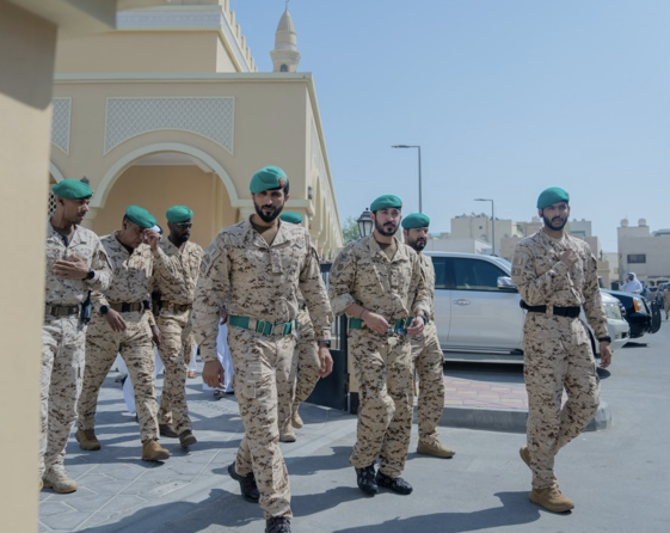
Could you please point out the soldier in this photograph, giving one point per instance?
(427, 356)
(76, 263)
(175, 278)
(121, 324)
(377, 281)
(256, 268)
(305, 369)
(556, 275)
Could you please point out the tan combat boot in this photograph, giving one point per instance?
(296, 421)
(289, 436)
(436, 449)
(87, 439)
(551, 499)
(59, 481)
(152, 451)
(525, 455)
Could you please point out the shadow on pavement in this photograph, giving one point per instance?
(515, 509)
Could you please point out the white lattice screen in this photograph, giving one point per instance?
(211, 117)
(60, 124)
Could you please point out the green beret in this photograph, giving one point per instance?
(178, 213)
(72, 189)
(268, 178)
(386, 201)
(415, 220)
(291, 217)
(140, 216)
(552, 195)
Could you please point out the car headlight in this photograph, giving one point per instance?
(612, 310)
(637, 305)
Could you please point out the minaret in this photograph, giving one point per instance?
(285, 56)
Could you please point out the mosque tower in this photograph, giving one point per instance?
(285, 56)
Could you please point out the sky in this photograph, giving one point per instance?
(505, 98)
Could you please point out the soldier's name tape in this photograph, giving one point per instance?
(261, 326)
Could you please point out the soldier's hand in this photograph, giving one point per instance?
(115, 320)
(212, 374)
(152, 238)
(415, 327)
(326, 361)
(156, 335)
(71, 268)
(569, 257)
(224, 317)
(375, 322)
(605, 354)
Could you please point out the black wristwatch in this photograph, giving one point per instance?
(324, 343)
(103, 310)
(90, 275)
(607, 339)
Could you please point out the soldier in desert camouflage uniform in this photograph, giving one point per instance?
(175, 278)
(121, 325)
(76, 263)
(427, 356)
(305, 368)
(556, 275)
(377, 281)
(256, 269)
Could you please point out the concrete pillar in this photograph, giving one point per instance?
(26, 75)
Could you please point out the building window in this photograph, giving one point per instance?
(283, 68)
(637, 258)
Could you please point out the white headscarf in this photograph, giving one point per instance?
(632, 286)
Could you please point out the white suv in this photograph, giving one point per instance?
(477, 311)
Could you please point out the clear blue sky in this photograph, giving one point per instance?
(505, 97)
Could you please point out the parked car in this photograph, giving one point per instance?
(644, 316)
(477, 311)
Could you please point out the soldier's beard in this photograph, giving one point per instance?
(265, 217)
(418, 244)
(381, 229)
(550, 223)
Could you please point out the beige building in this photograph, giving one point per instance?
(644, 252)
(188, 121)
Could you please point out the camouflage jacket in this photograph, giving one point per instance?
(542, 279)
(86, 245)
(176, 272)
(258, 280)
(429, 274)
(363, 274)
(132, 273)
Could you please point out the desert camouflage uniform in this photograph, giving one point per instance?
(132, 279)
(557, 349)
(175, 278)
(63, 341)
(261, 282)
(396, 290)
(429, 364)
(303, 373)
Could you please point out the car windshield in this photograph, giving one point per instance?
(504, 262)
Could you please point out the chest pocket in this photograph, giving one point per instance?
(83, 250)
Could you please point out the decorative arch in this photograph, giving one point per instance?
(117, 169)
(55, 172)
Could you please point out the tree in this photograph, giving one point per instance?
(350, 230)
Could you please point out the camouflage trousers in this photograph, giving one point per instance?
(428, 363)
(301, 382)
(557, 357)
(384, 373)
(260, 362)
(134, 345)
(175, 331)
(62, 368)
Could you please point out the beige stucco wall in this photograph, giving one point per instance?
(275, 122)
(158, 187)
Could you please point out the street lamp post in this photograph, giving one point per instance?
(419, 148)
(493, 223)
(365, 223)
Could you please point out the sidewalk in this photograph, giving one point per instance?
(192, 492)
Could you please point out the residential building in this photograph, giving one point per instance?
(644, 252)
